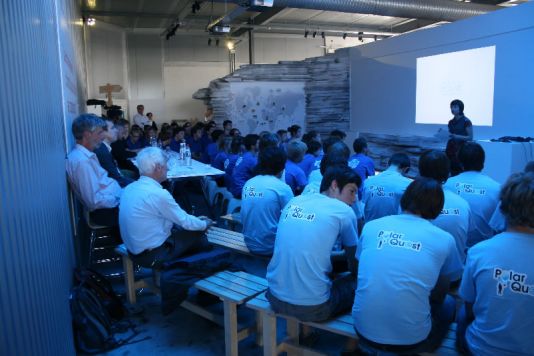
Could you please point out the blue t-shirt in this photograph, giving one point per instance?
(195, 146)
(242, 172)
(229, 165)
(498, 221)
(363, 165)
(382, 194)
(482, 194)
(308, 229)
(262, 201)
(499, 281)
(218, 160)
(400, 260)
(307, 164)
(295, 177)
(211, 152)
(456, 219)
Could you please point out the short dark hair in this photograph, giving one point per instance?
(195, 129)
(338, 133)
(233, 131)
(424, 197)
(329, 141)
(268, 140)
(472, 156)
(343, 175)
(271, 161)
(359, 144)
(237, 145)
(339, 148)
(281, 132)
(296, 150)
(332, 159)
(293, 129)
(216, 134)
(458, 103)
(313, 146)
(177, 130)
(400, 160)
(250, 141)
(122, 122)
(517, 200)
(226, 122)
(435, 164)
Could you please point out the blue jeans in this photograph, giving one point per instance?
(341, 299)
(442, 317)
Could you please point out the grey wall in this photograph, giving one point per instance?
(383, 74)
(39, 95)
(163, 75)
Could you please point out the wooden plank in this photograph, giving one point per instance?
(244, 279)
(234, 287)
(220, 292)
(230, 328)
(336, 327)
(224, 244)
(252, 277)
(206, 314)
(215, 229)
(227, 239)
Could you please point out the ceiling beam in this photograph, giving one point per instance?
(260, 19)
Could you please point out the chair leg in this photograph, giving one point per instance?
(92, 238)
(230, 328)
(129, 279)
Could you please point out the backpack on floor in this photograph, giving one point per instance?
(103, 289)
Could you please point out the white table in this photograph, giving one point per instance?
(178, 169)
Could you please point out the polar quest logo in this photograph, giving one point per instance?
(515, 281)
(396, 239)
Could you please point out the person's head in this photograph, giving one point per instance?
(282, 135)
(314, 147)
(178, 133)
(311, 135)
(150, 132)
(237, 145)
(250, 142)
(295, 131)
(123, 126)
(342, 183)
(400, 162)
(271, 161)
(235, 132)
(110, 132)
(296, 150)
(149, 115)
(457, 107)
(423, 197)
(329, 141)
(529, 167)
(152, 162)
(339, 134)
(88, 130)
(227, 126)
(472, 157)
(339, 148)
(435, 164)
(224, 143)
(517, 201)
(140, 109)
(360, 145)
(196, 132)
(336, 158)
(215, 134)
(135, 134)
(268, 139)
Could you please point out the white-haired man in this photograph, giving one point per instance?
(147, 214)
(98, 192)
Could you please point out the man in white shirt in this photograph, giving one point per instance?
(148, 212)
(98, 192)
(382, 193)
(140, 119)
(479, 190)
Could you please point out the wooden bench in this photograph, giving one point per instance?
(233, 220)
(228, 239)
(342, 325)
(234, 288)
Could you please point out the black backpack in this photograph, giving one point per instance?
(94, 327)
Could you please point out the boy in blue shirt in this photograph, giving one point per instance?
(298, 274)
(498, 280)
(263, 199)
(294, 175)
(244, 166)
(360, 162)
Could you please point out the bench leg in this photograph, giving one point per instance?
(259, 329)
(129, 279)
(230, 328)
(270, 347)
(292, 327)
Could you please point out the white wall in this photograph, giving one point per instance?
(163, 75)
(383, 74)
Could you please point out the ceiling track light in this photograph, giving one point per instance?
(314, 34)
(306, 33)
(195, 7)
(344, 36)
(322, 35)
(360, 36)
(209, 41)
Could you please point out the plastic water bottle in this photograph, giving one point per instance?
(182, 150)
(187, 156)
(153, 142)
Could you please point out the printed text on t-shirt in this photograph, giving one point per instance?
(396, 239)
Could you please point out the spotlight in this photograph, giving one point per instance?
(230, 45)
(209, 41)
(91, 21)
(314, 34)
(344, 36)
(322, 35)
(360, 36)
(195, 7)
(306, 33)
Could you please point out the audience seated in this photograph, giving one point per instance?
(135, 141)
(479, 190)
(498, 283)
(294, 175)
(227, 126)
(382, 193)
(404, 267)
(338, 134)
(178, 137)
(103, 153)
(298, 274)
(148, 213)
(244, 166)
(224, 146)
(213, 147)
(455, 217)
(235, 132)
(263, 199)
(315, 175)
(119, 148)
(236, 150)
(98, 192)
(314, 152)
(195, 141)
(360, 162)
(295, 132)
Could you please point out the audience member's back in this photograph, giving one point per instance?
(244, 166)
(479, 190)
(382, 193)
(359, 161)
(263, 199)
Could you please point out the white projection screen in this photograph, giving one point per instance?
(466, 75)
